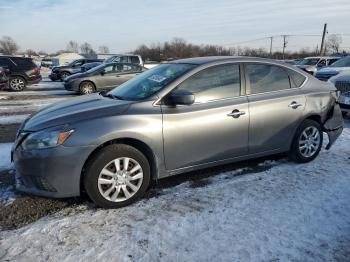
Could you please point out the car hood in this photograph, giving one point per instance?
(75, 110)
(75, 76)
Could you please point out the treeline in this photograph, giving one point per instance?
(179, 48)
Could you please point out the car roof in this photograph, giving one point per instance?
(325, 57)
(213, 59)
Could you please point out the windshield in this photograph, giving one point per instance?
(109, 60)
(150, 82)
(344, 62)
(308, 61)
(96, 68)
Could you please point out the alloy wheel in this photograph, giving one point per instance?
(17, 84)
(120, 179)
(309, 141)
(87, 88)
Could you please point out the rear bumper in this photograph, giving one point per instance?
(34, 80)
(334, 125)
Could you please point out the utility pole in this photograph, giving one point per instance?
(323, 38)
(285, 42)
(271, 39)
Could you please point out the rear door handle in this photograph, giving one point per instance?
(236, 113)
(294, 105)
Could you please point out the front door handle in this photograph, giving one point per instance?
(294, 105)
(236, 113)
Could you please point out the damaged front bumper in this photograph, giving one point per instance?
(334, 125)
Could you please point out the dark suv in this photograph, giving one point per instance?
(23, 71)
(61, 72)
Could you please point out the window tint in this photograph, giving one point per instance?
(4, 62)
(267, 78)
(296, 79)
(214, 83)
(108, 69)
(123, 59)
(23, 62)
(135, 59)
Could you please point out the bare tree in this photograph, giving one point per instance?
(333, 42)
(31, 52)
(86, 48)
(103, 49)
(72, 46)
(8, 46)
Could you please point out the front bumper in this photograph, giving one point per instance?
(54, 76)
(71, 86)
(3, 85)
(52, 172)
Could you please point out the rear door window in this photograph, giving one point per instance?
(296, 79)
(23, 62)
(266, 78)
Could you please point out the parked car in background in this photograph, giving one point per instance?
(23, 71)
(102, 77)
(342, 83)
(312, 64)
(132, 59)
(177, 117)
(4, 78)
(325, 73)
(88, 66)
(61, 72)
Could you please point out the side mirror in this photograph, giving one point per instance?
(102, 73)
(179, 97)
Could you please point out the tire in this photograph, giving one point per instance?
(17, 83)
(307, 142)
(86, 88)
(64, 74)
(101, 176)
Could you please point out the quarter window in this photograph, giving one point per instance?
(296, 79)
(266, 78)
(214, 83)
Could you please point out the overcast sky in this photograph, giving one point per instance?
(123, 25)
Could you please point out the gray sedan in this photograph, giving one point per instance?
(181, 116)
(102, 77)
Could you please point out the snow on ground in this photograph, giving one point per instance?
(13, 119)
(5, 157)
(291, 212)
(7, 194)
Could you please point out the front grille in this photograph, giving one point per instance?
(36, 182)
(343, 86)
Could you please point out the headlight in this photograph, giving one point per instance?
(45, 139)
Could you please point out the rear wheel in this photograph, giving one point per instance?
(87, 88)
(17, 83)
(117, 176)
(307, 142)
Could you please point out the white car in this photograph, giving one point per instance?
(327, 72)
(342, 83)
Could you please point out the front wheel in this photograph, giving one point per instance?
(116, 176)
(307, 142)
(64, 75)
(17, 83)
(87, 88)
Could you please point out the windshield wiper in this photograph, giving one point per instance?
(105, 94)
